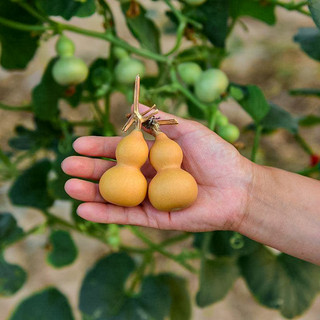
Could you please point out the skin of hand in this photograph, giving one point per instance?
(269, 205)
(224, 179)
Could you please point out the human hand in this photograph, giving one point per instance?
(224, 178)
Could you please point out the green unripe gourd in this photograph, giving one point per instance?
(69, 71)
(221, 119)
(189, 72)
(65, 47)
(210, 85)
(120, 53)
(127, 69)
(229, 132)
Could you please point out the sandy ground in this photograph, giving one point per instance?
(264, 56)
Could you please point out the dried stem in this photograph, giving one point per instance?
(146, 118)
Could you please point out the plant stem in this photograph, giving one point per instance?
(212, 117)
(173, 240)
(5, 159)
(308, 171)
(34, 13)
(108, 36)
(140, 272)
(179, 38)
(98, 110)
(204, 249)
(232, 25)
(15, 108)
(256, 143)
(182, 18)
(107, 10)
(176, 84)
(133, 249)
(160, 249)
(305, 146)
(53, 219)
(23, 26)
(26, 234)
(292, 6)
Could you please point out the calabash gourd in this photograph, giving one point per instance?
(124, 184)
(172, 188)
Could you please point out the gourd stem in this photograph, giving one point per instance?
(136, 103)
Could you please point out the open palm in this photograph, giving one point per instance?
(223, 176)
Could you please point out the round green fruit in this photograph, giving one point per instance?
(189, 72)
(210, 85)
(69, 71)
(127, 69)
(120, 53)
(221, 119)
(229, 133)
(65, 47)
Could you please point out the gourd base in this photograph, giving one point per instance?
(172, 189)
(123, 186)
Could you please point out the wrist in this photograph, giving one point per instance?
(256, 180)
(261, 199)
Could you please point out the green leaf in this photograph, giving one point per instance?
(180, 305)
(309, 120)
(48, 304)
(17, 47)
(30, 188)
(309, 41)
(254, 102)
(142, 28)
(45, 136)
(194, 111)
(213, 15)
(314, 6)
(309, 92)
(25, 139)
(56, 185)
(63, 249)
(87, 8)
(103, 294)
(216, 279)
(12, 278)
(67, 8)
(9, 230)
(279, 118)
(222, 244)
(281, 282)
(260, 10)
(97, 82)
(236, 93)
(45, 96)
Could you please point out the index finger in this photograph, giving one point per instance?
(96, 146)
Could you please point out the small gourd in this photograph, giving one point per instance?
(124, 184)
(172, 188)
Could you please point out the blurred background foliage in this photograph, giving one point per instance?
(70, 268)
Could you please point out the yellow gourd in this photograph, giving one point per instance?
(172, 188)
(124, 184)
